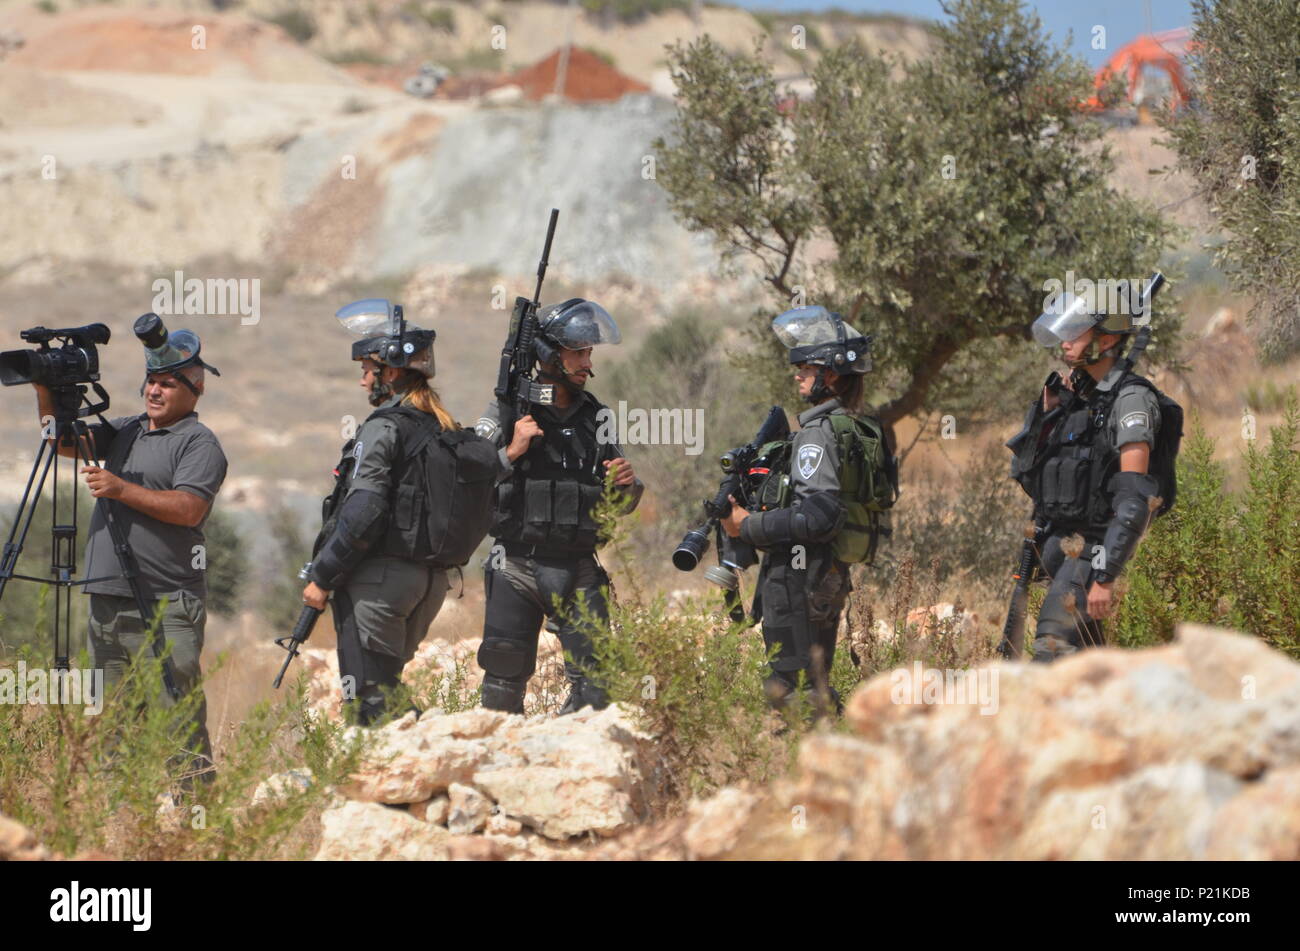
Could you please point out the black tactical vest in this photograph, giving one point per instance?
(1066, 460)
(548, 499)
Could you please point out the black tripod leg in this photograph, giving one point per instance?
(126, 558)
(26, 506)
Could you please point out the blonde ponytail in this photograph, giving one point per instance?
(425, 398)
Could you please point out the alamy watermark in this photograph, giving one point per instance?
(1106, 295)
(651, 427)
(932, 685)
(37, 685)
(210, 297)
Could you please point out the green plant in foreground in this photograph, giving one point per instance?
(114, 783)
(694, 680)
(1221, 557)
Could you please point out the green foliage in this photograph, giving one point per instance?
(438, 18)
(26, 610)
(683, 364)
(604, 56)
(295, 21)
(631, 11)
(695, 681)
(1241, 142)
(114, 782)
(360, 55)
(47, 6)
(281, 600)
(968, 525)
(951, 188)
(696, 684)
(429, 688)
(1221, 557)
(1264, 396)
(227, 560)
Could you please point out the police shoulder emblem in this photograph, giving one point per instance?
(1134, 419)
(810, 457)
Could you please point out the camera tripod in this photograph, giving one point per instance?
(68, 428)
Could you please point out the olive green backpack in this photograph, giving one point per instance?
(868, 486)
(868, 477)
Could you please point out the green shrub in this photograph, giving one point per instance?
(683, 364)
(227, 560)
(295, 21)
(969, 524)
(354, 56)
(1222, 557)
(97, 782)
(694, 680)
(281, 599)
(26, 609)
(631, 11)
(438, 18)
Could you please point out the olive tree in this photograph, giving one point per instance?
(929, 202)
(1241, 142)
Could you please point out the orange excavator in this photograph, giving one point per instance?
(1165, 50)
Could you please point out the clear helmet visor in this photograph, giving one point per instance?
(180, 349)
(581, 326)
(809, 327)
(1067, 318)
(367, 318)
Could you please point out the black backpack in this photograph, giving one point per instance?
(448, 488)
(442, 499)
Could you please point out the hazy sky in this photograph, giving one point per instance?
(1123, 19)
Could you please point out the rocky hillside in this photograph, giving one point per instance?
(1188, 751)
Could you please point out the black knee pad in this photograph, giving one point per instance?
(507, 657)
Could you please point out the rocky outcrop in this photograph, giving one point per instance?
(452, 661)
(482, 784)
(1187, 751)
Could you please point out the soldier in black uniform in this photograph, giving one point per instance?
(370, 553)
(543, 562)
(1087, 469)
(802, 587)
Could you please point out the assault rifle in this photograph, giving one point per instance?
(515, 390)
(301, 631)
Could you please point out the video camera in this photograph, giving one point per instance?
(744, 469)
(73, 363)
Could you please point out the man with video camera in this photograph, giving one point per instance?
(161, 471)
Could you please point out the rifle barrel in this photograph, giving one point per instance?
(546, 257)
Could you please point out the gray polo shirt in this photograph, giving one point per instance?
(185, 456)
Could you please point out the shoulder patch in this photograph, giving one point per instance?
(810, 458)
(1134, 419)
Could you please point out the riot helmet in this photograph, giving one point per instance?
(386, 336)
(575, 324)
(1069, 315)
(389, 340)
(817, 336)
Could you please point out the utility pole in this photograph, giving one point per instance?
(563, 66)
